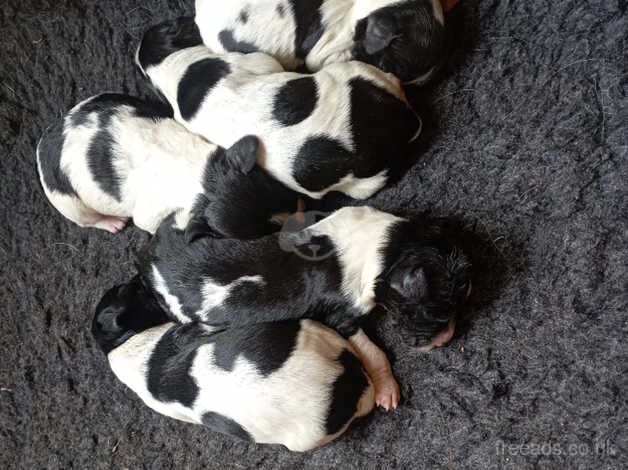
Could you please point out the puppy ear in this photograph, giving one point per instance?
(196, 228)
(243, 154)
(410, 282)
(380, 31)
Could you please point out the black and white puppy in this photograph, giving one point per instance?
(114, 156)
(402, 37)
(295, 383)
(341, 129)
(335, 271)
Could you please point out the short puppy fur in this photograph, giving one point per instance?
(114, 156)
(294, 383)
(335, 271)
(405, 38)
(341, 129)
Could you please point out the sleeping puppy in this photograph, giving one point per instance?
(113, 157)
(341, 129)
(335, 271)
(294, 383)
(405, 38)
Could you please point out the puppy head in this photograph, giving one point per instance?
(406, 39)
(240, 197)
(425, 285)
(124, 311)
(164, 39)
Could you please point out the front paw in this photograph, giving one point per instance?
(387, 391)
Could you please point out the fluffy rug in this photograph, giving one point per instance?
(524, 151)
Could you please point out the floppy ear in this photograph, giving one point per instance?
(410, 282)
(198, 228)
(380, 31)
(243, 154)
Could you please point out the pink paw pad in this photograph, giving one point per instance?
(111, 223)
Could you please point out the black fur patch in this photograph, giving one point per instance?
(382, 126)
(281, 10)
(222, 424)
(292, 286)
(309, 25)
(124, 311)
(268, 346)
(105, 102)
(295, 101)
(244, 16)
(417, 40)
(412, 245)
(346, 394)
(100, 158)
(169, 365)
(230, 44)
(320, 163)
(197, 81)
(166, 38)
(49, 150)
(236, 205)
(100, 153)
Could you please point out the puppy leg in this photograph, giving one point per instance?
(78, 212)
(377, 366)
(111, 223)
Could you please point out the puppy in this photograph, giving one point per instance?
(113, 157)
(341, 129)
(335, 271)
(405, 38)
(294, 383)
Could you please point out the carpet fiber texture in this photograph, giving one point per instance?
(524, 151)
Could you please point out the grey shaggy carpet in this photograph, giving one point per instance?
(524, 151)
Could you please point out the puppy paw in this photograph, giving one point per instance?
(387, 392)
(111, 223)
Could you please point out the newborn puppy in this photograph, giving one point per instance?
(335, 271)
(405, 38)
(294, 383)
(113, 157)
(341, 129)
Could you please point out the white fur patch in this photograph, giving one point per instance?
(437, 7)
(241, 104)
(359, 234)
(214, 294)
(287, 407)
(266, 26)
(172, 301)
(159, 165)
(129, 362)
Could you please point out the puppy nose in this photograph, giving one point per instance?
(441, 338)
